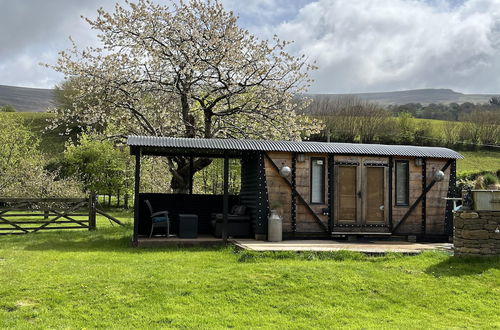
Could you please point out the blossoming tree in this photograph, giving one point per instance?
(185, 70)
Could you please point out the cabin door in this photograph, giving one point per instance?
(347, 195)
(374, 195)
(361, 193)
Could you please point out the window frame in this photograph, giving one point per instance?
(396, 181)
(323, 186)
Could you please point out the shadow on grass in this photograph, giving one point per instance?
(460, 266)
(108, 239)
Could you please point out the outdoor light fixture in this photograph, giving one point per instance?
(419, 161)
(285, 171)
(301, 158)
(438, 176)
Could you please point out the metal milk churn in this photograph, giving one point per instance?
(274, 227)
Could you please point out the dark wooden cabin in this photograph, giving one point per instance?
(332, 190)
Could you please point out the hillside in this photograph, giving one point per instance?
(423, 96)
(26, 99)
(36, 99)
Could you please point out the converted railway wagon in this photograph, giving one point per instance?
(327, 189)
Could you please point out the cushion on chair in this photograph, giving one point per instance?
(159, 219)
(240, 210)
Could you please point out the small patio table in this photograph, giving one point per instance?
(188, 226)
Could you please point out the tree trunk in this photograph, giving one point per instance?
(125, 201)
(180, 185)
(182, 176)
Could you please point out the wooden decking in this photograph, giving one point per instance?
(372, 247)
(368, 247)
(177, 241)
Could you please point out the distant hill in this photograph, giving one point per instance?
(423, 96)
(26, 99)
(37, 99)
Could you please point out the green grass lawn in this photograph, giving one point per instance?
(81, 279)
(478, 161)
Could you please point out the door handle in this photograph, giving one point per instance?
(359, 194)
(381, 207)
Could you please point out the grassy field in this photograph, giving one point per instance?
(97, 280)
(479, 161)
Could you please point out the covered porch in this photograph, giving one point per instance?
(214, 215)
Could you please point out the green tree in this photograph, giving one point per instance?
(101, 167)
(22, 172)
(406, 128)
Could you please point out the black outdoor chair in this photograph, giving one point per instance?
(158, 219)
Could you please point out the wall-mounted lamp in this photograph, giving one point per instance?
(301, 158)
(438, 176)
(285, 171)
(419, 161)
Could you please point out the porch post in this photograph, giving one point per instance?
(293, 210)
(424, 199)
(136, 193)
(225, 203)
(391, 165)
(190, 175)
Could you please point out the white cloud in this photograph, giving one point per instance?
(359, 45)
(377, 45)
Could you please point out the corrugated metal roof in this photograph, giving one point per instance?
(292, 146)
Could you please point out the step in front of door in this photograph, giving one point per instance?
(361, 230)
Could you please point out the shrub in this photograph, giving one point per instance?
(490, 179)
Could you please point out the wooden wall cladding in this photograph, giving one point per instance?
(280, 193)
(435, 203)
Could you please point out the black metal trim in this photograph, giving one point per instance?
(191, 174)
(136, 194)
(294, 193)
(407, 192)
(448, 219)
(391, 170)
(331, 189)
(375, 164)
(424, 199)
(361, 225)
(311, 181)
(225, 201)
(263, 197)
(347, 163)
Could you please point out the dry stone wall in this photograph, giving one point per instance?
(476, 233)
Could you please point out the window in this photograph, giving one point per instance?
(402, 182)
(317, 180)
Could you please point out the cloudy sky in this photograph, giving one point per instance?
(359, 45)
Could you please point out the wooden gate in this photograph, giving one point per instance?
(29, 215)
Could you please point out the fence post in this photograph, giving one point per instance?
(92, 211)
